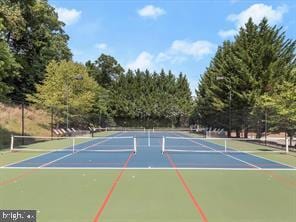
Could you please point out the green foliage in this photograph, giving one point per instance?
(281, 104)
(35, 37)
(260, 59)
(104, 70)
(8, 65)
(151, 99)
(67, 84)
(34, 65)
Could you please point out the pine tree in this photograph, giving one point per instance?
(257, 61)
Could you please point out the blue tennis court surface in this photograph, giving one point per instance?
(149, 155)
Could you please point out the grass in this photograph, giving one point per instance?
(37, 122)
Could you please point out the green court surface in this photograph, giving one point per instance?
(157, 195)
(151, 195)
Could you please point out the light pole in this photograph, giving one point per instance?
(101, 101)
(77, 77)
(265, 126)
(230, 99)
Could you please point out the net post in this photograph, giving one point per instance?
(73, 144)
(163, 145)
(148, 138)
(135, 145)
(287, 145)
(225, 145)
(11, 143)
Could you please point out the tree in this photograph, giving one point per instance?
(35, 37)
(184, 100)
(104, 70)
(67, 85)
(8, 66)
(141, 98)
(282, 104)
(257, 61)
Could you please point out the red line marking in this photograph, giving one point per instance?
(182, 180)
(14, 179)
(101, 209)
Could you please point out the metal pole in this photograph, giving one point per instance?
(287, 145)
(265, 127)
(78, 77)
(11, 143)
(135, 145)
(149, 138)
(225, 146)
(100, 118)
(23, 119)
(163, 145)
(51, 125)
(23, 122)
(229, 126)
(73, 144)
(67, 112)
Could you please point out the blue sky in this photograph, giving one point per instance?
(181, 36)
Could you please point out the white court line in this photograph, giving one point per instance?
(152, 168)
(26, 159)
(250, 164)
(275, 161)
(245, 162)
(46, 153)
(48, 163)
(252, 154)
(63, 157)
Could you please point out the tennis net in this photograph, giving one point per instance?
(73, 144)
(224, 145)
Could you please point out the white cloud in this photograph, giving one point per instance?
(68, 16)
(257, 12)
(142, 62)
(151, 11)
(227, 33)
(101, 46)
(197, 49)
(177, 53)
(182, 50)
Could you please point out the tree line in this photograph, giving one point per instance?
(249, 80)
(36, 67)
(250, 83)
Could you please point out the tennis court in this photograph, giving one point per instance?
(146, 150)
(148, 176)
